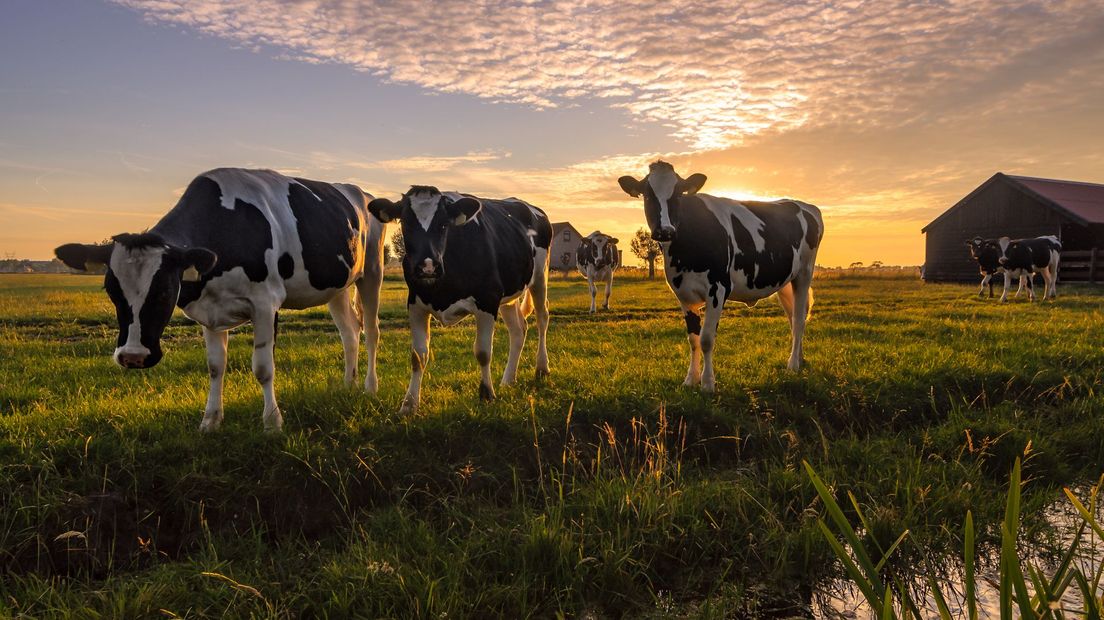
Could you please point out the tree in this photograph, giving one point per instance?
(856, 265)
(646, 249)
(398, 246)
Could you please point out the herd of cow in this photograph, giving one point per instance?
(1020, 258)
(242, 244)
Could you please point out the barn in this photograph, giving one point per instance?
(1019, 207)
(565, 240)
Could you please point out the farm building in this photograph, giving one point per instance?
(565, 240)
(1020, 207)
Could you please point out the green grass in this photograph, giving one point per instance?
(608, 491)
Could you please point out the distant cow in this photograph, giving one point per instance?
(716, 249)
(467, 255)
(1020, 258)
(239, 246)
(596, 258)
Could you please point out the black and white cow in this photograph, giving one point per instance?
(467, 255)
(716, 249)
(596, 258)
(987, 254)
(1019, 258)
(239, 246)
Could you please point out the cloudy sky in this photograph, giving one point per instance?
(882, 112)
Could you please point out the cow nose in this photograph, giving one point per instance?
(1002, 260)
(132, 360)
(665, 233)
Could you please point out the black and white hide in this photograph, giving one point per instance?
(596, 258)
(239, 246)
(717, 249)
(471, 256)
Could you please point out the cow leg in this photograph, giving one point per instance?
(348, 326)
(264, 367)
(1030, 286)
(693, 335)
(517, 327)
(1023, 281)
(802, 292)
(419, 357)
(609, 289)
(484, 343)
(216, 367)
(539, 291)
(368, 288)
(986, 279)
(713, 308)
(1007, 285)
(593, 294)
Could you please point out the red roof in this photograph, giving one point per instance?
(1083, 200)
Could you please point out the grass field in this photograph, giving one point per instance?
(609, 491)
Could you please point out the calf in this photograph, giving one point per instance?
(596, 258)
(239, 246)
(467, 255)
(987, 254)
(716, 249)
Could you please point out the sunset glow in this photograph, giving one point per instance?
(883, 115)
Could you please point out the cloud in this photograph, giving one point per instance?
(715, 72)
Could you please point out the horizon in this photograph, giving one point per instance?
(883, 119)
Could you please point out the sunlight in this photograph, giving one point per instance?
(739, 193)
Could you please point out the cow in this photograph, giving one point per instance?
(239, 246)
(471, 256)
(596, 258)
(987, 254)
(719, 249)
(1023, 258)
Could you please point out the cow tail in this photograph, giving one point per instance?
(809, 310)
(358, 308)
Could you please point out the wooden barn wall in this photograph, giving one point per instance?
(1000, 210)
(562, 252)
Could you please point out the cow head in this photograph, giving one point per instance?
(989, 253)
(601, 248)
(143, 281)
(662, 189)
(426, 215)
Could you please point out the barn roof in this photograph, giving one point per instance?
(1080, 202)
(558, 227)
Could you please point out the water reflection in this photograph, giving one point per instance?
(841, 599)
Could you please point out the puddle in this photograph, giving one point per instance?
(841, 599)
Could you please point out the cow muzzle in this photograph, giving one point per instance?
(134, 358)
(428, 271)
(664, 234)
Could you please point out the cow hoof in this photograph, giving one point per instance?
(210, 425)
(542, 374)
(708, 388)
(371, 385)
(273, 422)
(407, 408)
(486, 392)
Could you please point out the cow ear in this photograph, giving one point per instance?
(199, 262)
(84, 257)
(463, 210)
(631, 186)
(612, 240)
(691, 184)
(384, 210)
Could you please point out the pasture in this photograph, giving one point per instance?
(608, 491)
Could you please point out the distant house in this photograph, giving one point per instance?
(565, 240)
(1019, 207)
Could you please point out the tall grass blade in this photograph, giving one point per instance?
(968, 575)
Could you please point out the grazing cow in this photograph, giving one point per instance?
(596, 259)
(716, 249)
(467, 255)
(987, 254)
(239, 246)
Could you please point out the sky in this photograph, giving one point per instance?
(883, 113)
